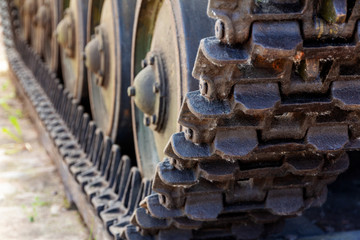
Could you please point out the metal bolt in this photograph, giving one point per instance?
(16, 23)
(156, 87)
(147, 121)
(188, 133)
(100, 73)
(152, 60)
(14, 13)
(84, 56)
(153, 119)
(143, 63)
(219, 29)
(162, 199)
(131, 91)
(203, 87)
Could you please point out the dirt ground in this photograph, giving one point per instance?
(32, 198)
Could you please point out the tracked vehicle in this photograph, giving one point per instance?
(203, 119)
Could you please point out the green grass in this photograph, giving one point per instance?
(32, 212)
(13, 130)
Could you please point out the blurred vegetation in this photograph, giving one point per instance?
(13, 129)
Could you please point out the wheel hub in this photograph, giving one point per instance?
(148, 91)
(65, 32)
(28, 11)
(43, 16)
(30, 7)
(95, 55)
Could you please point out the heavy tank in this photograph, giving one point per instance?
(206, 119)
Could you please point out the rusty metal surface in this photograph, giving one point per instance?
(161, 71)
(266, 133)
(92, 164)
(108, 58)
(270, 126)
(71, 37)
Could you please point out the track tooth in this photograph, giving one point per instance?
(72, 159)
(172, 176)
(101, 153)
(186, 223)
(53, 91)
(216, 53)
(51, 121)
(78, 122)
(122, 176)
(257, 97)
(95, 143)
(120, 224)
(57, 130)
(131, 233)
(80, 166)
(328, 138)
(304, 165)
(180, 163)
(285, 202)
(103, 199)
(347, 93)
(218, 170)
(103, 161)
(146, 222)
(188, 150)
(171, 196)
(157, 210)
(86, 176)
(126, 202)
(145, 190)
(85, 125)
(89, 136)
(203, 108)
(234, 144)
(247, 191)
(113, 166)
(111, 214)
(98, 184)
(276, 39)
(67, 147)
(95, 186)
(132, 189)
(205, 202)
(73, 115)
(65, 105)
(67, 109)
(60, 93)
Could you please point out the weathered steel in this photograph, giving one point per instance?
(108, 57)
(161, 71)
(263, 124)
(267, 131)
(71, 36)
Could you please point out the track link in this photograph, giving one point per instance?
(277, 109)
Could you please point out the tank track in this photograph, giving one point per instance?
(111, 184)
(254, 150)
(277, 109)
